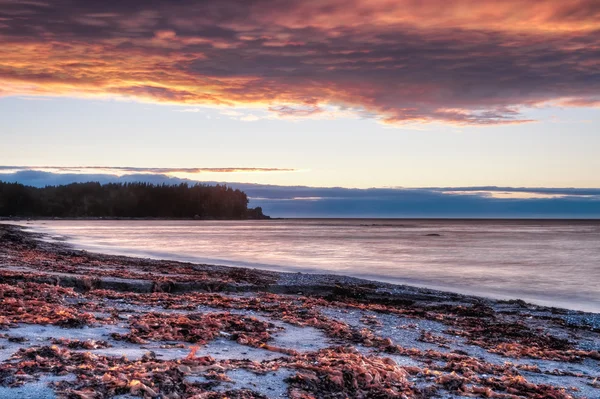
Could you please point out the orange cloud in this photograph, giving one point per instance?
(581, 102)
(462, 61)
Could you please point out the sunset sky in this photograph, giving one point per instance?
(328, 93)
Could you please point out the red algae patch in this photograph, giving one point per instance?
(197, 328)
(40, 304)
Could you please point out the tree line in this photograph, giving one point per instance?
(128, 200)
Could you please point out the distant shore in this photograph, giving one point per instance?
(247, 333)
(25, 219)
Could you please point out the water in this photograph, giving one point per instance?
(553, 263)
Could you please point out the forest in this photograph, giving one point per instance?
(126, 200)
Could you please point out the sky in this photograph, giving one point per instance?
(355, 94)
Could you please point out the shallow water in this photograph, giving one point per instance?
(546, 262)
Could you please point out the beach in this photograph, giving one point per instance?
(79, 324)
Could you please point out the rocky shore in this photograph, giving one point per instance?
(75, 324)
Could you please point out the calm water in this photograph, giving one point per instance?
(546, 262)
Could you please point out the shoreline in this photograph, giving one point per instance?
(505, 293)
(218, 331)
(283, 281)
(293, 282)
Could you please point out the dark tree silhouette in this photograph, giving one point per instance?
(138, 200)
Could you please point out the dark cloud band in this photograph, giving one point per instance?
(129, 169)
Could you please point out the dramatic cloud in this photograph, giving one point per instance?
(461, 61)
(443, 202)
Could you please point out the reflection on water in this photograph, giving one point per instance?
(547, 262)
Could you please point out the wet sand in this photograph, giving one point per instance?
(83, 325)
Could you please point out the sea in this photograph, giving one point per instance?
(546, 262)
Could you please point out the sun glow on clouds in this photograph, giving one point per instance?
(463, 62)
